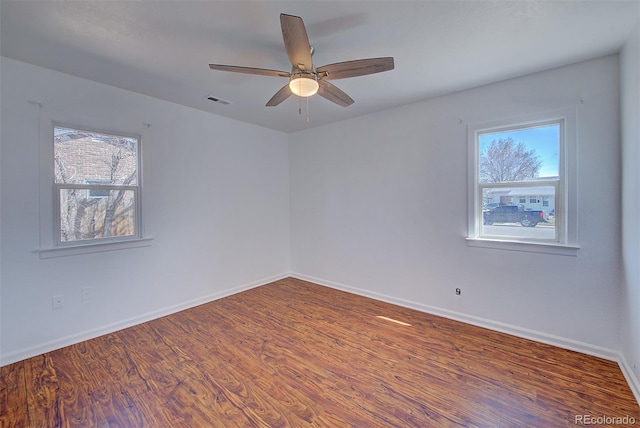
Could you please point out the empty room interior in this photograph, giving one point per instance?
(320, 213)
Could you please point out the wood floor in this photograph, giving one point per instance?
(295, 354)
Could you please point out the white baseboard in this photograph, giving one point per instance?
(630, 376)
(562, 342)
(22, 354)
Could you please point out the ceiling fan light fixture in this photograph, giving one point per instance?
(303, 86)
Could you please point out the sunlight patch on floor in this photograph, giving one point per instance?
(392, 320)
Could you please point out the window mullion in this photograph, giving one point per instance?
(94, 186)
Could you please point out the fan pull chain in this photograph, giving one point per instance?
(300, 98)
(300, 107)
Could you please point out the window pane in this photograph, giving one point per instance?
(502, 217)
(84, 157)
(85, 217)
(519, 154)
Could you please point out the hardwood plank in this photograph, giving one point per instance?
(43, 399)
(293, 354)
(13, 396)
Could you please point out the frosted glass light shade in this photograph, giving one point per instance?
(303, 86)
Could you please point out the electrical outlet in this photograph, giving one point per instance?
(458, 292)
(86, 293)
(57, 301)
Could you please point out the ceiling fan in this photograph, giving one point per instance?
(304, 79)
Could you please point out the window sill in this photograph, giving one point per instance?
(73, 250)
(530, 247)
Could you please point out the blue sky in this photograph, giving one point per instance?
(545, 140)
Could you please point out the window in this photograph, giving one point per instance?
(518, 162)
(520, 182)
(96, 186)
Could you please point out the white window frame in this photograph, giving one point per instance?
(50, 242)
(565, 242)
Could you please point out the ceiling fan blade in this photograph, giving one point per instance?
(249, 70)
(333, 94)
(280, 96)
(358, 67)
(296, 42)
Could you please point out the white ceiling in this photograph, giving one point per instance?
(163, 48)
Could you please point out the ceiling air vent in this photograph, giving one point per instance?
(219, 100)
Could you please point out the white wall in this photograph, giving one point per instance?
(379, 207)
(215, 201)
(630, 297)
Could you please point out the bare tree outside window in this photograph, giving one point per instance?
(504, 160)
